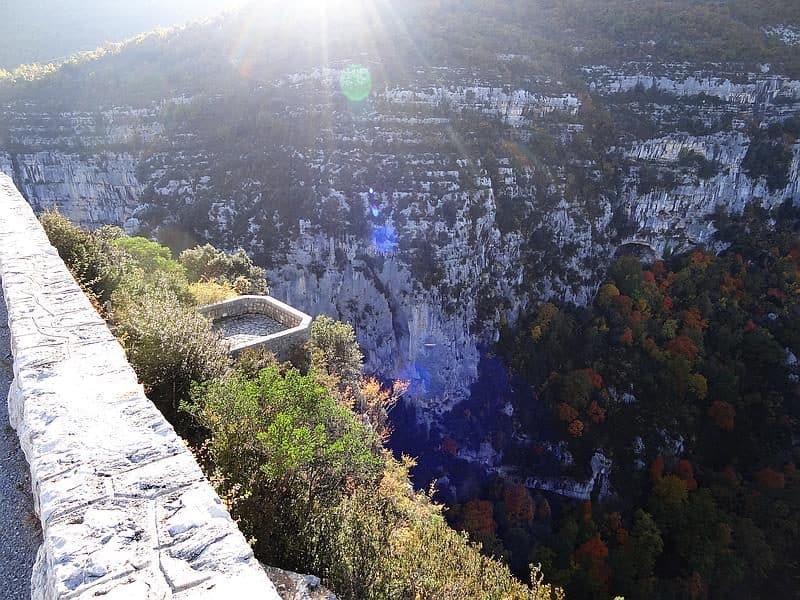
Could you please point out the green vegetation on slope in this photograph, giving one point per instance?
(684, 374)
(149, 299)
(298, 455)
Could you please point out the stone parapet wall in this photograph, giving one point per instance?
(297, 323)
(125, 510)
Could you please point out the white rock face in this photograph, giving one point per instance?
(788, 34)
(679, 217)
(759, 88)
(557, 247)
(571, 488)
(89, 191)
(514, 106)
(428, 336)
(125, 510)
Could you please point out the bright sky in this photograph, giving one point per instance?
(45, 30)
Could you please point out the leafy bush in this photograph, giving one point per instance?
(149, 255)
(390, 542)
(292, 454)
(108, 260)
(83, 255)
(211, 292)
(315, 491)
(168, 343)
(206, 263)
(335, 353)
(147, 297)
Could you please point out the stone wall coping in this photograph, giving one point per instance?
(126, 512)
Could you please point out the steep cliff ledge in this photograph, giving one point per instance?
(125, 510)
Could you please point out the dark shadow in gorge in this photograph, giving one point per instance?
(469, 444)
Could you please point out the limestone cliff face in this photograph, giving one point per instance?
(89, 190)
(450, 244)
(678, 217)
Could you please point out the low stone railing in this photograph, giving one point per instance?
(297, 324)
(125, 510)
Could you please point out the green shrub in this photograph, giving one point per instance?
(150, 256)
(335, 353)
(286, 451)
(168, 343)
(316, 492)
(211, 292)
(206, 263)
(83, 255)
(390, 542)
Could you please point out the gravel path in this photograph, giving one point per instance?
(20, 534)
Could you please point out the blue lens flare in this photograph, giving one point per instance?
(384, 239)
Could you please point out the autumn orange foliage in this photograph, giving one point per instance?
(595, 378)
(770, 479)
(701, 259)
(567, 413)
(685, 471)
(729, 475)
(624, 305)
(594, 555)
(576, 428)
(519, 504)
(694, 320)
(449, 446)
(478, 517)
(616, 527)
(657, 468)
(596, 413)
(684, 346)
(724, 415)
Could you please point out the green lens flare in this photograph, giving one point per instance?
(356, 83)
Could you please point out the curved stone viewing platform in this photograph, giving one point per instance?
(250, 322)
(124, 508)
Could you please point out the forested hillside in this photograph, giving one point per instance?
(542, 37)
(682, 372)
